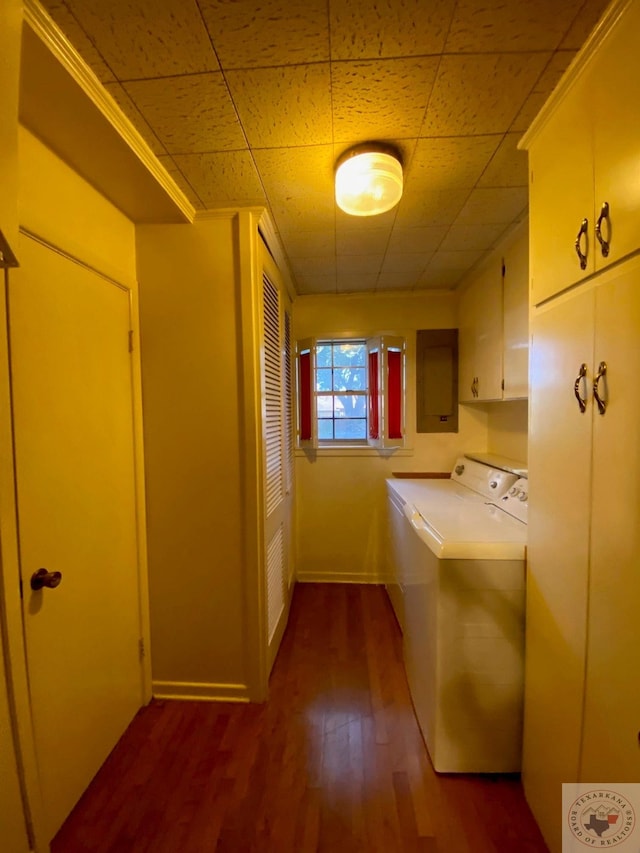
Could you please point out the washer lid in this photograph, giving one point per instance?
(469, 531)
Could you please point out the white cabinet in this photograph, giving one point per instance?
(494, 325)
(515, 313)
(582, 693)
(585, 154)
(612, 694)
(582, 702)
(480, 353)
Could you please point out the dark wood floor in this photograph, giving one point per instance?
(333, 762)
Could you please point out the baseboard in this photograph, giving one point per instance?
(338, 577)
(187, 690)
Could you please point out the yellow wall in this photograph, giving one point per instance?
(507, 426)
(59, 205)
(12, 822)
(191, 369)
(340, 503)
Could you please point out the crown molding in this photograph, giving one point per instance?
(57, 43)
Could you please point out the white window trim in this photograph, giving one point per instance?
(383, 446)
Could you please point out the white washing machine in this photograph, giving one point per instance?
(461, 576)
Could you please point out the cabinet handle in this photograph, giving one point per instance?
(582, 257)
(582, 401)
(604, 215)
(601, 374)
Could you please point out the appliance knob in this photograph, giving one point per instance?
(493, 484)
(523, 496)
(513, 491)
(459, 469)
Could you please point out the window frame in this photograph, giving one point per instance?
(385, 363)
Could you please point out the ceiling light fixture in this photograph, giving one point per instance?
(368, 180)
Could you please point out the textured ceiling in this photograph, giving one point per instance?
(251, 103)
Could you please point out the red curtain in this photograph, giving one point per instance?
(394, 393)
(304, 361)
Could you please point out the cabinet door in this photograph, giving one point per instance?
(612, 707)
(615, 95)
(488, 339)
(467, 317)
(480, 316)
(516, 320)
(557, 561)
(561, 195)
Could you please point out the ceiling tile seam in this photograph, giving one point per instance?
(491, 159)
(333, 145)
(89, 38)
(433, 86)
(329, 62)
(449, 227)
(393, 224)
(241, 126)
(140, 113)
(185, 179)
(532, 90)
(206, 29)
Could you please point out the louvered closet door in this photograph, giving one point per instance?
(278, 457)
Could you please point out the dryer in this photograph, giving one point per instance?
(462, 574)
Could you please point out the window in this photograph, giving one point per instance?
(351, 391)
(341, 390)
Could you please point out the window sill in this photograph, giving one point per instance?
(354, 450)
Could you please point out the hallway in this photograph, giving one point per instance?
(333, 762)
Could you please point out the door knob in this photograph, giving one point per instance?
(43, 578)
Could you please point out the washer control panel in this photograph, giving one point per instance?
(483, 479)
(516, 500)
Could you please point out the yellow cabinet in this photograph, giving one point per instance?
(557, 556)
(582, 703)
(515, 312)
(584, 164)
(494, 322)
(480, 344)
(561, 196)
(612, 696)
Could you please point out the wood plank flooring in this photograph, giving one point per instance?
(334, 761)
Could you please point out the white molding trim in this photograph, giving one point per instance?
(200, 691)
(52, 36)
(575, 70)
(223, 213)
(339, 577)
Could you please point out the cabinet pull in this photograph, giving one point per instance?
(604, 215)
(582, 401)
(582, 256)
(601, 374)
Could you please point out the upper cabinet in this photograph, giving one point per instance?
(584, 167)
(515, 332)
(493, 322)
(481, 337)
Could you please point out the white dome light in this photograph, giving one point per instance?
(368, 182)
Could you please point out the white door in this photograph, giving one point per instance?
(72, 404)
(278, 453)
